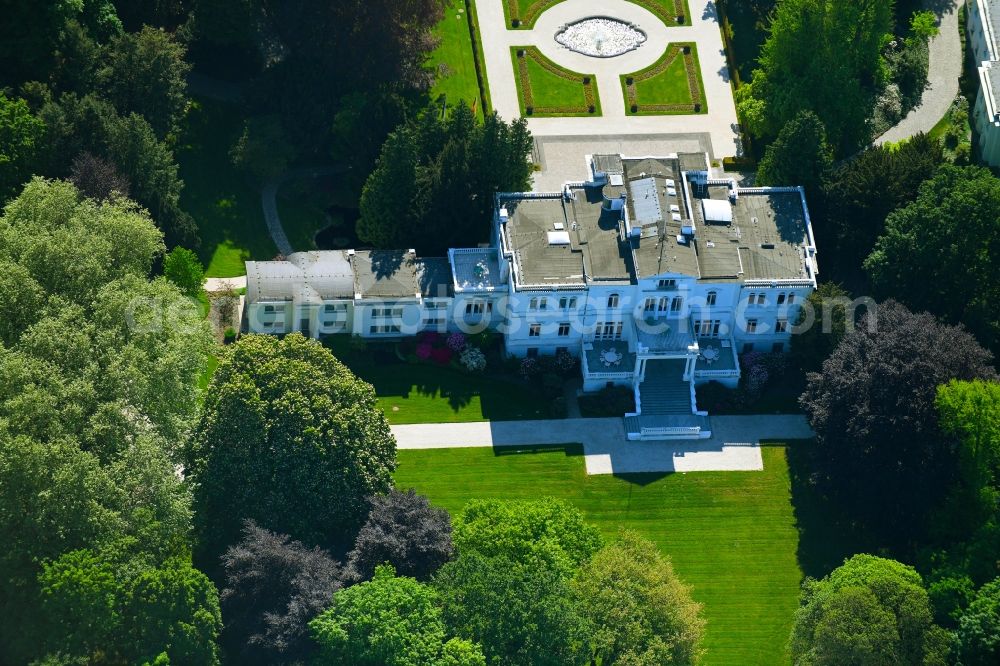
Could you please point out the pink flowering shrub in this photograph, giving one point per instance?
(423, 351)
(441, 355)
(757, 379)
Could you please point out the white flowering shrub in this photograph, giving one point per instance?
(473, 359)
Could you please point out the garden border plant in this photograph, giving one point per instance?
(520, 55)
(634, 106)
(520, 17)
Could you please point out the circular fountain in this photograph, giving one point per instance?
(601, 37)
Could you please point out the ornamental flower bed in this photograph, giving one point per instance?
(473, 359)
(692, 72)
(522, 54)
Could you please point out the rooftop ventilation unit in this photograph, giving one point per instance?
(687, 228)
(715, 210)
(504, 214)
(616, 180)
(558, 237)
(559, 226)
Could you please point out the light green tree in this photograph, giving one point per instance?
(641, 613)
(181, 266)
(388, 621)
(870, 610)
(546, 530)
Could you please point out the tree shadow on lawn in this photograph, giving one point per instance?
(826, 535)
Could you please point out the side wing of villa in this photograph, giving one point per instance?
(983, 32)
(655, 273)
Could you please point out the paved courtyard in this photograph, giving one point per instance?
(734, 445)
(714, 131)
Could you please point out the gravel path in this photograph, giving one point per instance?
(734, 445)
(268, 200)
(945, 70)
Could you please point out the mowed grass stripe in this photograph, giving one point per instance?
(731, 535)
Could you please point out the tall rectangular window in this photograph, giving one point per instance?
(534, 330)
(781, 326)
(781, 299)
(533, 304)
(751, 325)
(612, 301)
(649, 305)
(676, 304)
(710, 299)
(563, 329)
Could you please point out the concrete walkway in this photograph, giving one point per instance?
(221, 284)
(734, 446)
(269, 202)
(719, 123)
(943, 75)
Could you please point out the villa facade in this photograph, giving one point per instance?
(653, 271)
(983, 32)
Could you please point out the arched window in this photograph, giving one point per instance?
(612, 301)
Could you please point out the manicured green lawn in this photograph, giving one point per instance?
(551, 90)
(670, 87)
(455, 54)
(665, 87)
(427, 393)
(731, 535)
(224, 203)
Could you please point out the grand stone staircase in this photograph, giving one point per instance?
(664, 390)
(665, 405)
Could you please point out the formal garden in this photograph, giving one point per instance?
(671, 85)
(522, 14)
(546, 90)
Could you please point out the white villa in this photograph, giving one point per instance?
(983, 30)
(653, 271)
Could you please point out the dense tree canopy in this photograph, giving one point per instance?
(100, 371)
(388, 621)
(640, 611)
(405, 531)
(978, 636)
(949, 237)
(868, 611)
(859, 195)
(290, 438)
(798, 156)
(435, 181)
(181, 266)
(100, 607)
(144, 73)
(822, 55)
(521, 612)
(821, 324)
(880, 449)
(273, 587)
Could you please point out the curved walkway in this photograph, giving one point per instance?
(943, 75)
(268, 200)
(734, 445)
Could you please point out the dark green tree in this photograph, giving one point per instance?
(434, 184)
(948, 237)
(870, 610)
(145, 73)
(821, 324)
(860, 194)
(291, 439)
(798, 156)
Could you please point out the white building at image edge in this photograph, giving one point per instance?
(654, 272)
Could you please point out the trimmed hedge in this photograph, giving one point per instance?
(667, 11)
